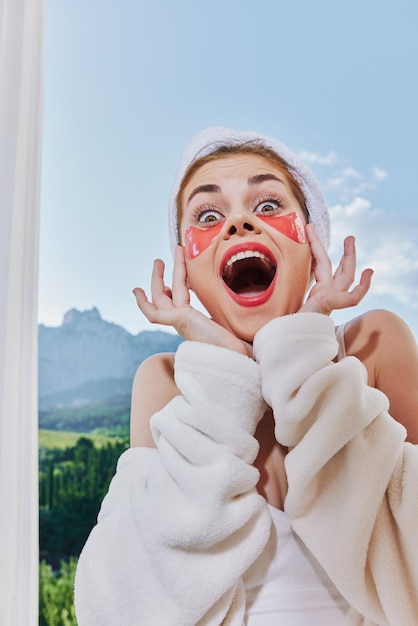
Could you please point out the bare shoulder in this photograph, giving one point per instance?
(388, 349)
(377, 335)
(152, 389)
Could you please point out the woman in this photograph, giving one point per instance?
(266, 482)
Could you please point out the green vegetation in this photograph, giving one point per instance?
(56, 606)
(85, 419)
(72, 483)
(74, 474)
(59, 440)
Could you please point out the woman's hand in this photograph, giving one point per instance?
(171, 307)
(331, 291)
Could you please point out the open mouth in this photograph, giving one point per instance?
(249, 275)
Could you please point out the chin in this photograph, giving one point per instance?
(246, 330)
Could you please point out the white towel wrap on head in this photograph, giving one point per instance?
(215, 137)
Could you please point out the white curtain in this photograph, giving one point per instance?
(21, 87)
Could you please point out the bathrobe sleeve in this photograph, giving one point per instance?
(353, 481)
(181, 523)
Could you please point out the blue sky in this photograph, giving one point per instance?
(127, 83)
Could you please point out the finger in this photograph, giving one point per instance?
(322, 262)
(356, 295)
(345, 273)
(158, 291)
(181, 294)
(146, 307)
(366, 279)
(140, 295)
(155, 314)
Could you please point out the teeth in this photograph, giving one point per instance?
(247, 254)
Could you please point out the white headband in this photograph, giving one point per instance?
(213, 138)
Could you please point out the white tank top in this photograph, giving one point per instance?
(286, 586)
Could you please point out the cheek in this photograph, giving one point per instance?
(290, 225)
(197, 240)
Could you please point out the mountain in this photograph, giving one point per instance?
(87, 359)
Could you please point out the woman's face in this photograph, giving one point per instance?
(246, 254)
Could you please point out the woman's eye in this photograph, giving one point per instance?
(268, 206)
(209, 215)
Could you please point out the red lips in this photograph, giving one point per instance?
(248, 272)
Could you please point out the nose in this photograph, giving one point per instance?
(241, 225)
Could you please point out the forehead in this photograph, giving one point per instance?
(233, 166)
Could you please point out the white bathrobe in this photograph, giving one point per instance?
(182, 523)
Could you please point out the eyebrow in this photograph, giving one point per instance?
(253, 180)
(260, 178)
(204, 189)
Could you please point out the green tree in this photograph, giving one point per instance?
(56, 597)
(72, 484)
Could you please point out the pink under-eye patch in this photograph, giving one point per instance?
(291, 225)
(197, 240)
